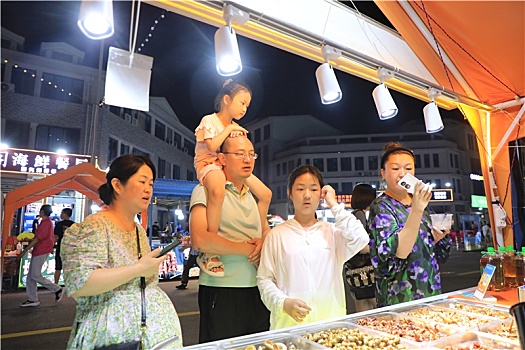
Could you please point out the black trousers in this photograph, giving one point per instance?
(227, 312)
(188, 264)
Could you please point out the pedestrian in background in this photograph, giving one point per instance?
(42, 244)
(189, 262)
(359, 272)
(60, 228)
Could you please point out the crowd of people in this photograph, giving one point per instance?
(253, 278)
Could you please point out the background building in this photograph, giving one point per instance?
(446, 159)
(49, 102)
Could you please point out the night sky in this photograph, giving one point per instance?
(184, 66)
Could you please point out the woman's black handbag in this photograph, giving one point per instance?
(359, 272)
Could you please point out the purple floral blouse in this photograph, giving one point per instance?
(417, 276)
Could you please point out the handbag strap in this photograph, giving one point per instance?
(142, 284)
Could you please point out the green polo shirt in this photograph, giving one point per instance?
(240, 222)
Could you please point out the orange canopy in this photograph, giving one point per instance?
(482, 46)
(84, 178)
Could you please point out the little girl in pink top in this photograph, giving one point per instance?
(231, 103)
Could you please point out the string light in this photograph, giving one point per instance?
(33, 75)
(146, 40)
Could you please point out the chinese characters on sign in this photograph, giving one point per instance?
(37, 162)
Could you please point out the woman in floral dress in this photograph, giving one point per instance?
(102, 268)
(405, 247)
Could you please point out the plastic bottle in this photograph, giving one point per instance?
(510, 268)
(520, 267)
(497, 283)
(484, 259)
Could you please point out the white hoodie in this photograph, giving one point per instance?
(307, 264)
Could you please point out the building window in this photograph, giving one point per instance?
(177, 140)
(278, 170)
(267, 131)
(426, 160)
(307, 161)
(438, 183)
(435, 160)
(16, 133)
(471, 142)
(451, 160)
(189, 175)
(290, 165)
(285, 169)
(319, 163)
(24, 80)
(160, 130)
(418, 160)
(176, 172)
(347, 187)
(144, 121)
(359, 163)
(335, 186)
(373, 164)
(124, 149)
(53, 138)
(278, 192)
(169, 136)
(190, 146)
(457, 185)
(346, 164)
(61, 88)
(257, 136)
(112, 150)
(161, 168)
(331, 164)
(456, 161)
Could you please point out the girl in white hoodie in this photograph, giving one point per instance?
(299, 275)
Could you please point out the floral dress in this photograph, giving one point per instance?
(114, 316)
(415, 277)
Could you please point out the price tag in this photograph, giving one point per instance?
(484, 281)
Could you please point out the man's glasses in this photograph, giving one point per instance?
(242, 155)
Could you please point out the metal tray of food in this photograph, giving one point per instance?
(345, 335)
(474, 308)
(278, 341)
(456, 318)
(475, 340)
(410, 328)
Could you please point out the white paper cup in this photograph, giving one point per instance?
(441, 221)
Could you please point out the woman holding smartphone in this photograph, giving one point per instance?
(105, 259)
(406, 249)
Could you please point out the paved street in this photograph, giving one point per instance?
(48, 326)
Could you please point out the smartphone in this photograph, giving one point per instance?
(169, 247)
(409, 182)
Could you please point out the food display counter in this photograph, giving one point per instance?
(451, 321)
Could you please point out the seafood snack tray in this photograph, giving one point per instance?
(451, 324)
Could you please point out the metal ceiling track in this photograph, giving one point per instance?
(298, 41)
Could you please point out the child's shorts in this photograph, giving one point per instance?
(201, 174)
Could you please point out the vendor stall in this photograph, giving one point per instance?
(450, 321)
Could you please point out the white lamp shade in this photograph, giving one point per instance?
(433, 122)
(227, 56)
(386, 107)
(95, 19)
(328, 86)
